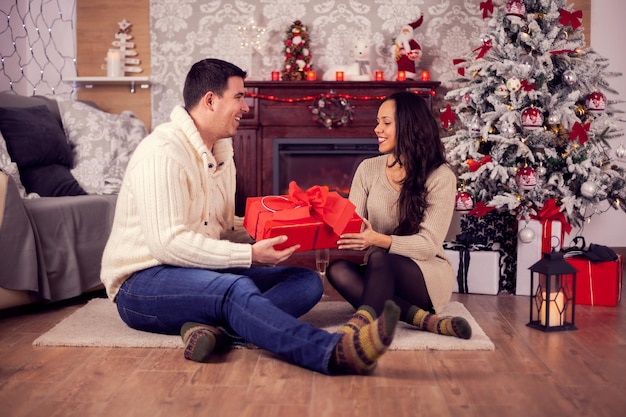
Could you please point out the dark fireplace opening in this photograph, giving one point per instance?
(319, 161)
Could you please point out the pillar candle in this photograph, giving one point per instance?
(275, 75)
(380, 76)
(425, 76)
(311, 75)
(339, 76)
(401, 76)
(556, 304)
(114, 63)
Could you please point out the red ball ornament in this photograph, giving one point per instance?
(526, 178)
(463, 201)
(515, 10)
(596, 102)
(532, 118)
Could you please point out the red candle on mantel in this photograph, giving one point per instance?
(311, 76)
(275, 75)
(425, 75)
(339, 76)
(380, 76)
(401, 75)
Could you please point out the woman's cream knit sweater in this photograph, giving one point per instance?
(175, 206)
(376, 200)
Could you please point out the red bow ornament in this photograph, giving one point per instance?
(474, 164)
(480, 209)
(483, 49)
(460, 70)
(527, 87)
(569, 18)
(579, 131)
(487, 8)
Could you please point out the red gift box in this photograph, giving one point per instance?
(314, 219)
(598, 284)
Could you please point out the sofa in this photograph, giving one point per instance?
(61, 166)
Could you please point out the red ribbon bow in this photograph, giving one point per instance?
(487, 8)
(447, 117)
(332, 209)
(480, 209)
(550, 211)
(483, 49)
(474, 164)
(569, 18)
(579, 131)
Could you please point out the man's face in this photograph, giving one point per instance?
(229, 108)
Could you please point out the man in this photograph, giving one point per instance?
(172, 266)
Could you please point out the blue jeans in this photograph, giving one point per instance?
(258, 304)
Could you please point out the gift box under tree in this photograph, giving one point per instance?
(598, 283)
(498, 232)
(478, 269)
(313, 218)
(540, 233)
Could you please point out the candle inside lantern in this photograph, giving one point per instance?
(275, 75)
(311, 75)
(114, 63)
(339, 75)
(401, 75)
(425, 76)
(380, 76)
(555, 305)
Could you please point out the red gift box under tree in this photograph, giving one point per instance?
(598, 283)
(313, 218)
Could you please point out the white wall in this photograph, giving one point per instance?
(607, 21)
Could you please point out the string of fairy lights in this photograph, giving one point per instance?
(37, 46)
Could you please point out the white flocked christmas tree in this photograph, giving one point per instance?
(529, 118)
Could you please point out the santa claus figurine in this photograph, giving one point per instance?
(407, 51)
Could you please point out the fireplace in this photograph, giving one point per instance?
(318, 161)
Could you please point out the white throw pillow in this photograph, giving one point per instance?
(103, 143)
(10, 167)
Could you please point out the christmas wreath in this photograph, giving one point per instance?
(332, 111)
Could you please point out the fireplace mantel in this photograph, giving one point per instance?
(282, 109)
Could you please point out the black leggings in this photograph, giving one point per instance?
(386, 276)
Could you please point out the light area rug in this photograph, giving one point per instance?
(97, 324)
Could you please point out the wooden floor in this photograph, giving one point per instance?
(530, 373)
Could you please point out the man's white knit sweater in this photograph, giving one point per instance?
(175, 207)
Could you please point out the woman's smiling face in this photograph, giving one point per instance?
(386, 127)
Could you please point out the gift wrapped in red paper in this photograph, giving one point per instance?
(313, 218)
(598, 283)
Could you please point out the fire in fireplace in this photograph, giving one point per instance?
(319, 161)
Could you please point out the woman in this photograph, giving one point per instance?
(406, 198)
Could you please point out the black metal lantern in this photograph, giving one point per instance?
(553, 293)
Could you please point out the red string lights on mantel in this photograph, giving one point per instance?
(330, 109)
(317, 96)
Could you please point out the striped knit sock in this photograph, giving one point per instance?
(200, 340)
(363, 316)
(448, 326)
(358, 351)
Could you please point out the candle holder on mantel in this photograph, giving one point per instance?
(553, 293)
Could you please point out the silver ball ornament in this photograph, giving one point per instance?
(588, 189)
(570, 77)
(526, 235)
(620, 152)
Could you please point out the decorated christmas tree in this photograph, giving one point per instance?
(297, 53)
(529, 119)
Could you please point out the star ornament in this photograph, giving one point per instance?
(124, 25)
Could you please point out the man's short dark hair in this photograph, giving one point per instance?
(210, 74)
